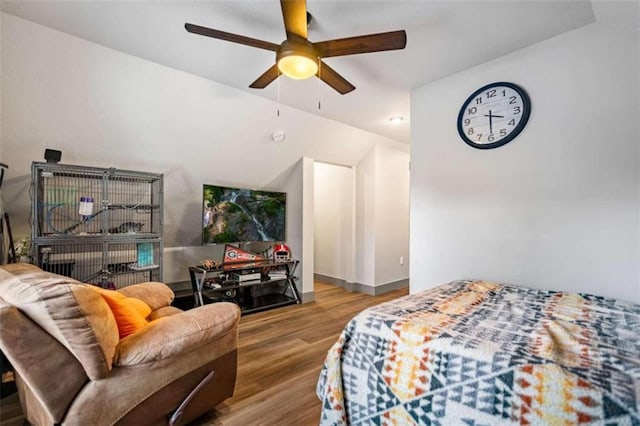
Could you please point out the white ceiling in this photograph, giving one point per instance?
(443, 37)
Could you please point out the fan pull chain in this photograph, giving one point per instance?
(278, 95)
(319, 83)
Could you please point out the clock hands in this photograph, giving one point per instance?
(490, 115)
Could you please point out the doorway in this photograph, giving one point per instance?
(334, 224)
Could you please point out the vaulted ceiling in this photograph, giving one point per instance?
(443, 37)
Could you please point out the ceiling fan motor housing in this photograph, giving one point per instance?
(290, 55)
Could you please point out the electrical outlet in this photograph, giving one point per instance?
(401, 260)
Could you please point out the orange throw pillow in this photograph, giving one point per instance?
(130, 313)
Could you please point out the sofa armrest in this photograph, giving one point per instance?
(179, 334)
(52, 373)
(154, 294)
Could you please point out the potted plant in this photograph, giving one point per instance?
(23, 250)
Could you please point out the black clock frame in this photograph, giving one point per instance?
(526, 112)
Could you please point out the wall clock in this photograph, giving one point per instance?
(494, 115)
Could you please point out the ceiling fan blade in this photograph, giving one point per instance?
(267, 77)
(235, 38)
(333, 79)
(393, 40)
(294, 13)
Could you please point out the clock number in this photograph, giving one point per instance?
(467, 121)
(470, 131)
(512, 100)
(503, 132)
(512, 122)
(490, 137)
(491, 93)
(478, 100)
(473, 110)
(479, 136)
(516, 110)
(504, 92)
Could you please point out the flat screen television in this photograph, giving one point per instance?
(235, 215)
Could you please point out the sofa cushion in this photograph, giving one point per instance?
(74, 315)
(165, 311)
(156, 295)
(173, 336)
(130, 313)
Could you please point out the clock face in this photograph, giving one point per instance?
(493, 115)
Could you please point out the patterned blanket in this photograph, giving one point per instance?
(478, 353)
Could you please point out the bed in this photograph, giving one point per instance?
(480, 353)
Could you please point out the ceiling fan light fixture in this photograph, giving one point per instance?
(298, 67)
(297, 59)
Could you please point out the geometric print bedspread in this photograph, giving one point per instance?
(480, 353)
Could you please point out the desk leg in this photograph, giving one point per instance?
(294, 289)
(197, 282)
(200, 284)
(291, 269)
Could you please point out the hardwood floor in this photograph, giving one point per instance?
(280, 355)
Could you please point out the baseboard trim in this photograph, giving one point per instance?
(308, 297)
(329, 280)
(395, 285)
(363, 288)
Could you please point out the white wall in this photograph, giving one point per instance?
(392, 215)
(333, 219)
(557, 208)
(104, 108)
(382, 219)
(365, 220)
(306, 190)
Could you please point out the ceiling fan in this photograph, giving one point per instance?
(298, 58)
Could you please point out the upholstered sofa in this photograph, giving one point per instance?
(72, 367)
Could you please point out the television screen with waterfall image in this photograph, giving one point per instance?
(235, 215)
